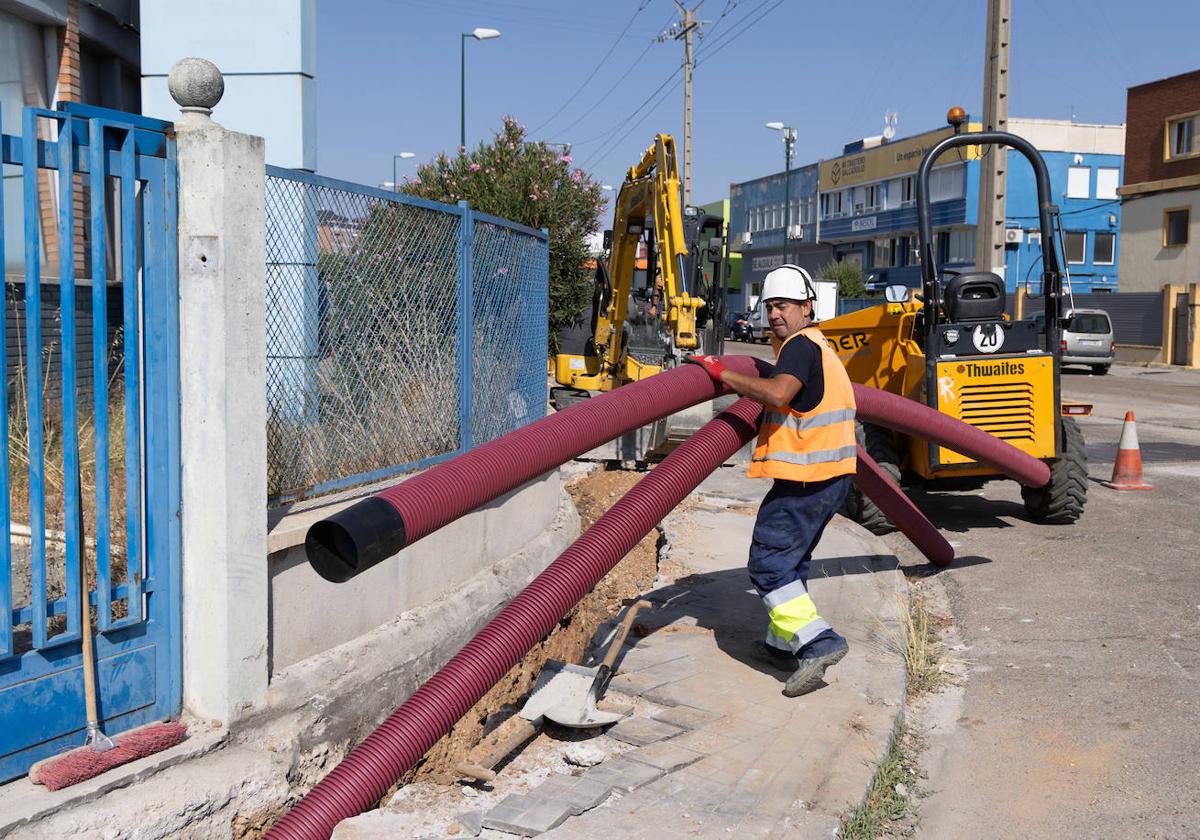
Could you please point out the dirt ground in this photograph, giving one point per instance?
(593, 494)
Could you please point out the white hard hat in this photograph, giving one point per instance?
(788, 281)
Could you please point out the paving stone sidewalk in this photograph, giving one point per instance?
(765, 765)
(715, 749)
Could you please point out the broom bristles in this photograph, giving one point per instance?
(83, 764)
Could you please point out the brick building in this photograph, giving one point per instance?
(1160, 199)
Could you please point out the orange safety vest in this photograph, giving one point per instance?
(810, 445)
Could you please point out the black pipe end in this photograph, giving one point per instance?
(353, 540)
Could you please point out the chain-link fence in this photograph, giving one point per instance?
(399, 331)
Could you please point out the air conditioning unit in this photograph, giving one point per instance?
(744, 238)
(795, 231)
(1013, 236)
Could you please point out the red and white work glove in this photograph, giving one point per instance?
(711, 364)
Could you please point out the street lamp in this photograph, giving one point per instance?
(479, 34)
(789, 145)
(401, 156)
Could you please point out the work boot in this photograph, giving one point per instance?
(777, 659)
(811, 672)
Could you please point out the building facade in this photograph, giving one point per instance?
(1160, 198)
(756, 227)
(868, 204)
(864, 207)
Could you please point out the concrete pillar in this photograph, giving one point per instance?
(1193, 336)
(223, 449)
(1170, 291)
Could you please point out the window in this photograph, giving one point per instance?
(1106, 182)
(907, 196)
(1090, 323)
(871, 198)
(1175, 227)
(1103, 243)
(1076, 244)
(883, 253)
(1183, 139)
(832, 204)
(1078, 182)
(959, 246)
(946, 183)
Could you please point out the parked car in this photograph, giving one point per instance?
(739, 327)
(1087, 339)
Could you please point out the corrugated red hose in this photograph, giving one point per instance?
(368, 532)
(918, 420)
(365, 774)
(897, 507)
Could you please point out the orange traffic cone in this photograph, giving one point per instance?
(1127, 471)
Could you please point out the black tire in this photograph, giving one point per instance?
(880, 444)
(1061, 501)
(1099, 370)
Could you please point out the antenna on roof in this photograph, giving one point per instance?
(889, 124)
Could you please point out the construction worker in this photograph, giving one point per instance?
(807, 444)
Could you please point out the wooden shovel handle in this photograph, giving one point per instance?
(491, 750)
(614, 649)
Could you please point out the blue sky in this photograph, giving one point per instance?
(388, 74)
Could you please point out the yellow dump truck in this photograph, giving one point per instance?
(950, 346)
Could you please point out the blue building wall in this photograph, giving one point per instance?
(767, 192)
(1089, 216)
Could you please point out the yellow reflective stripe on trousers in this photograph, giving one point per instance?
(794, 623)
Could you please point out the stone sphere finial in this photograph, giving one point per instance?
(196, 84)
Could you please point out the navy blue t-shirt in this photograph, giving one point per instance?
(801, 358)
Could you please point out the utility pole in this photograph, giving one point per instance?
(993, 169)
(684, 29)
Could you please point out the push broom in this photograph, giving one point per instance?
(99, 753)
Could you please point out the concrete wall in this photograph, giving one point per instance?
(1146, 266)
(310, 615)
(268, 51)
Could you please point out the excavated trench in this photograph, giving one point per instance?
(593, 494)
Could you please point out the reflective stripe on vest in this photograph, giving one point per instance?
(794, 621)
(810, 445)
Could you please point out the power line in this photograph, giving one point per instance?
(609, 147)
(734, 34)
(621, 123)
(595, 69)
(588, 112)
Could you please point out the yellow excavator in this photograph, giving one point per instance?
(952, 347)
(638, 330)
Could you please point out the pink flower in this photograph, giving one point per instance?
(416, 181)
(475, 167)
(576, 176)
(533, 196)
(567, 158)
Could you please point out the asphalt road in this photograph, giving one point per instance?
(1079, 714)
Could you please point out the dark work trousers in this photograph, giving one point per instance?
(791, 519)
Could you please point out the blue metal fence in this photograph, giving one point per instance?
(400, 331)
(97, 201)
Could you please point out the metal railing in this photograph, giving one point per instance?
(400, 332)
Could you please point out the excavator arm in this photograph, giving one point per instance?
(650, 192)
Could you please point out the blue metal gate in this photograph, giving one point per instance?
(93, 445)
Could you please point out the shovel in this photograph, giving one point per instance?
(566, 694)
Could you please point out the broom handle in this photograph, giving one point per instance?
(85, 612)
